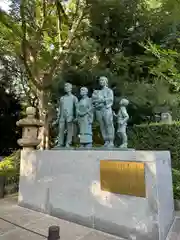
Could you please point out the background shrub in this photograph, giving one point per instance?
(10, 169)
(157, 136)
(176, 183)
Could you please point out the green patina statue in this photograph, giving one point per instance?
(103, 101)
(122, 119)
(82, 112)
(85, 118)
(66, 116)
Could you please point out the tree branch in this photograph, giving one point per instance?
(24, 45)
(27, 93)
(73, 30)
(44, 9)
(76, 10)
(29, 73)
(58, 7)
(6, 20)
(61, 10)
(66, 45)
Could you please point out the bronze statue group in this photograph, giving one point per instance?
(83, 111)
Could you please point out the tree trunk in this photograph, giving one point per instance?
(2, 186)
(43, 115)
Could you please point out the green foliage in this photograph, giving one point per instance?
(39, 35)
(176, 183)
(135, 43)
(128, 42)
(157, 137)
(10, 166)
(166, 65)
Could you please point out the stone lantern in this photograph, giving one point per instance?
(30, 126)
(166, 118)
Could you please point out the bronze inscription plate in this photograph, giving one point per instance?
(127, 178)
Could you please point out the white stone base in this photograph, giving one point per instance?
(66, 184)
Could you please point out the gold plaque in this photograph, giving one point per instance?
(127, 178)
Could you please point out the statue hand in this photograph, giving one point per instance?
(114, 114)
(121, 123)
(102, 100)
(108, 106)
(55, 122)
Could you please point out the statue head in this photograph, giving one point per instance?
(124, 102)
(83, 91)
(68, 87)
(103, 81)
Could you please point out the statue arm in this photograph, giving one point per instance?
(59, 108)
(90, 107)
(59, 112)
(110, 99)
(115, 115)
(78, 113)
(88, 111)
(125, 115)
(76, 106)
(82, 114)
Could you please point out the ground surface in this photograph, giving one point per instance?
(17, 223)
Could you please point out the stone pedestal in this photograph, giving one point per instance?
(66, 184)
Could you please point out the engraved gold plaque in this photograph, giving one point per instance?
(126, 178)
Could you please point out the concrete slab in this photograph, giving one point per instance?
(34, 225)
(68, 231)
(18, 223)
(95, 235)
(20, 234)
(174, 233)
(10, 211)
(6, 227)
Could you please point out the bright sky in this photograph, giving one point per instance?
(4, 4)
